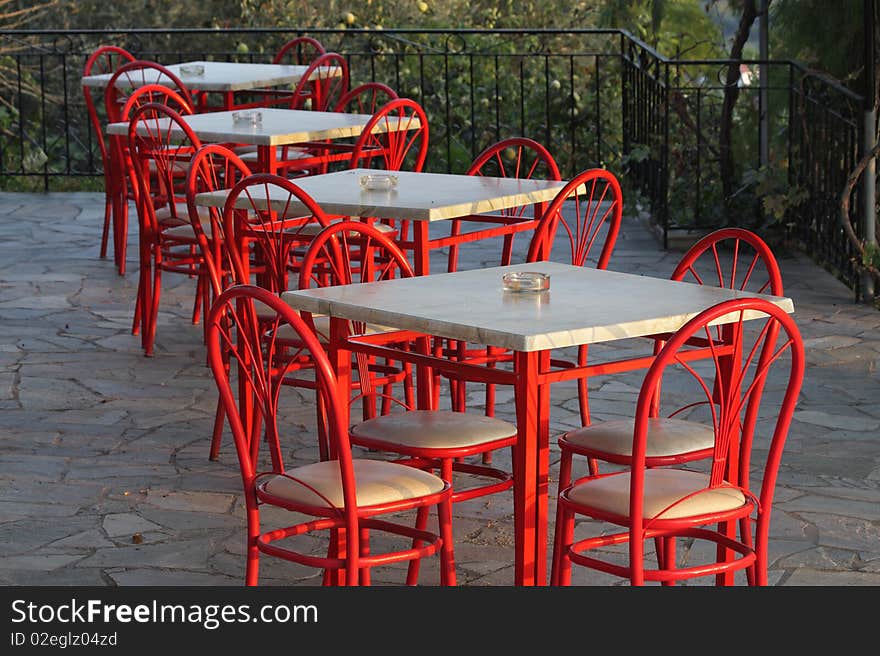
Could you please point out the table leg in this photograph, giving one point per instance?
(268, 159)
(421, 255)
(531, 465)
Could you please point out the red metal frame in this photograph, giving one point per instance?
(213, 167)
(105, 59)
(116, 94)
(733, 416)
(237, 336)
(365, 98)
(158, 163)
(752, 267)
(514, 157)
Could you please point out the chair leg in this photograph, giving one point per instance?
(560, 570)
(412, 571)
(365, 551)
(217, 435)
(447, 549)
(252, 569)
(666, 555)
(108, 217)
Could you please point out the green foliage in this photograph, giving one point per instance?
(778, 198)
(823, 35)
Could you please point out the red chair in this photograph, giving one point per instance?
(514, 157)
(213, 167)
(579, 226)
(733, 258)
(441, 440)
(103, 60)
(124, 81)
(159, 160)
(253, 243)
(346, 499)
(646, 500)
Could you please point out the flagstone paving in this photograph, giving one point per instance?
(104, 476)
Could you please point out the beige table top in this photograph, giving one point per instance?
(417, 197)
(220, 76)
(277, 128)
(583, 306)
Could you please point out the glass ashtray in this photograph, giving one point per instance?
(192, 69)
(378, 181)
(247, 117)
(525, 281)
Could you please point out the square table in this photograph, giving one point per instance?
(221, 77)
(277, 127)
(419, 198)
(582, 306)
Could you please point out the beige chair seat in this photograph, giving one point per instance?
(378, 482)
(666, 437)
(663, 487)
(434, 429)
(181, 214)
(185, 230)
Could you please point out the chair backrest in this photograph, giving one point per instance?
(768, 352)
(134, 74)
(300, 51)
(395, 138)
(156, 93)
(212, 168)
(588, 210)
(103, 60)
(365, 98)
(161, 145)
(347, 252)
(323, 83)
(513, 157)
(267, 223)
(734, 258)
(249, 363)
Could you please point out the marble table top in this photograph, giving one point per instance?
(583, 306)
(417, 196)
(221, 76)
(278, 127)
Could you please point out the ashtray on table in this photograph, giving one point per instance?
(247, 117)
(192, 69)
(525, 281)
(378, 181)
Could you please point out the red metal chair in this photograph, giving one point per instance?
(213, 167)
(159, 160)
(580, 226)
(733, 258)
(733, 488)
(441, 440)
(104, 60)
(347, 499)
(124, 82)
(514, 157)
(321, 87)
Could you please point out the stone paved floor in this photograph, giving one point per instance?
(103, 453)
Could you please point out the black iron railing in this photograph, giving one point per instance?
(593, 97)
